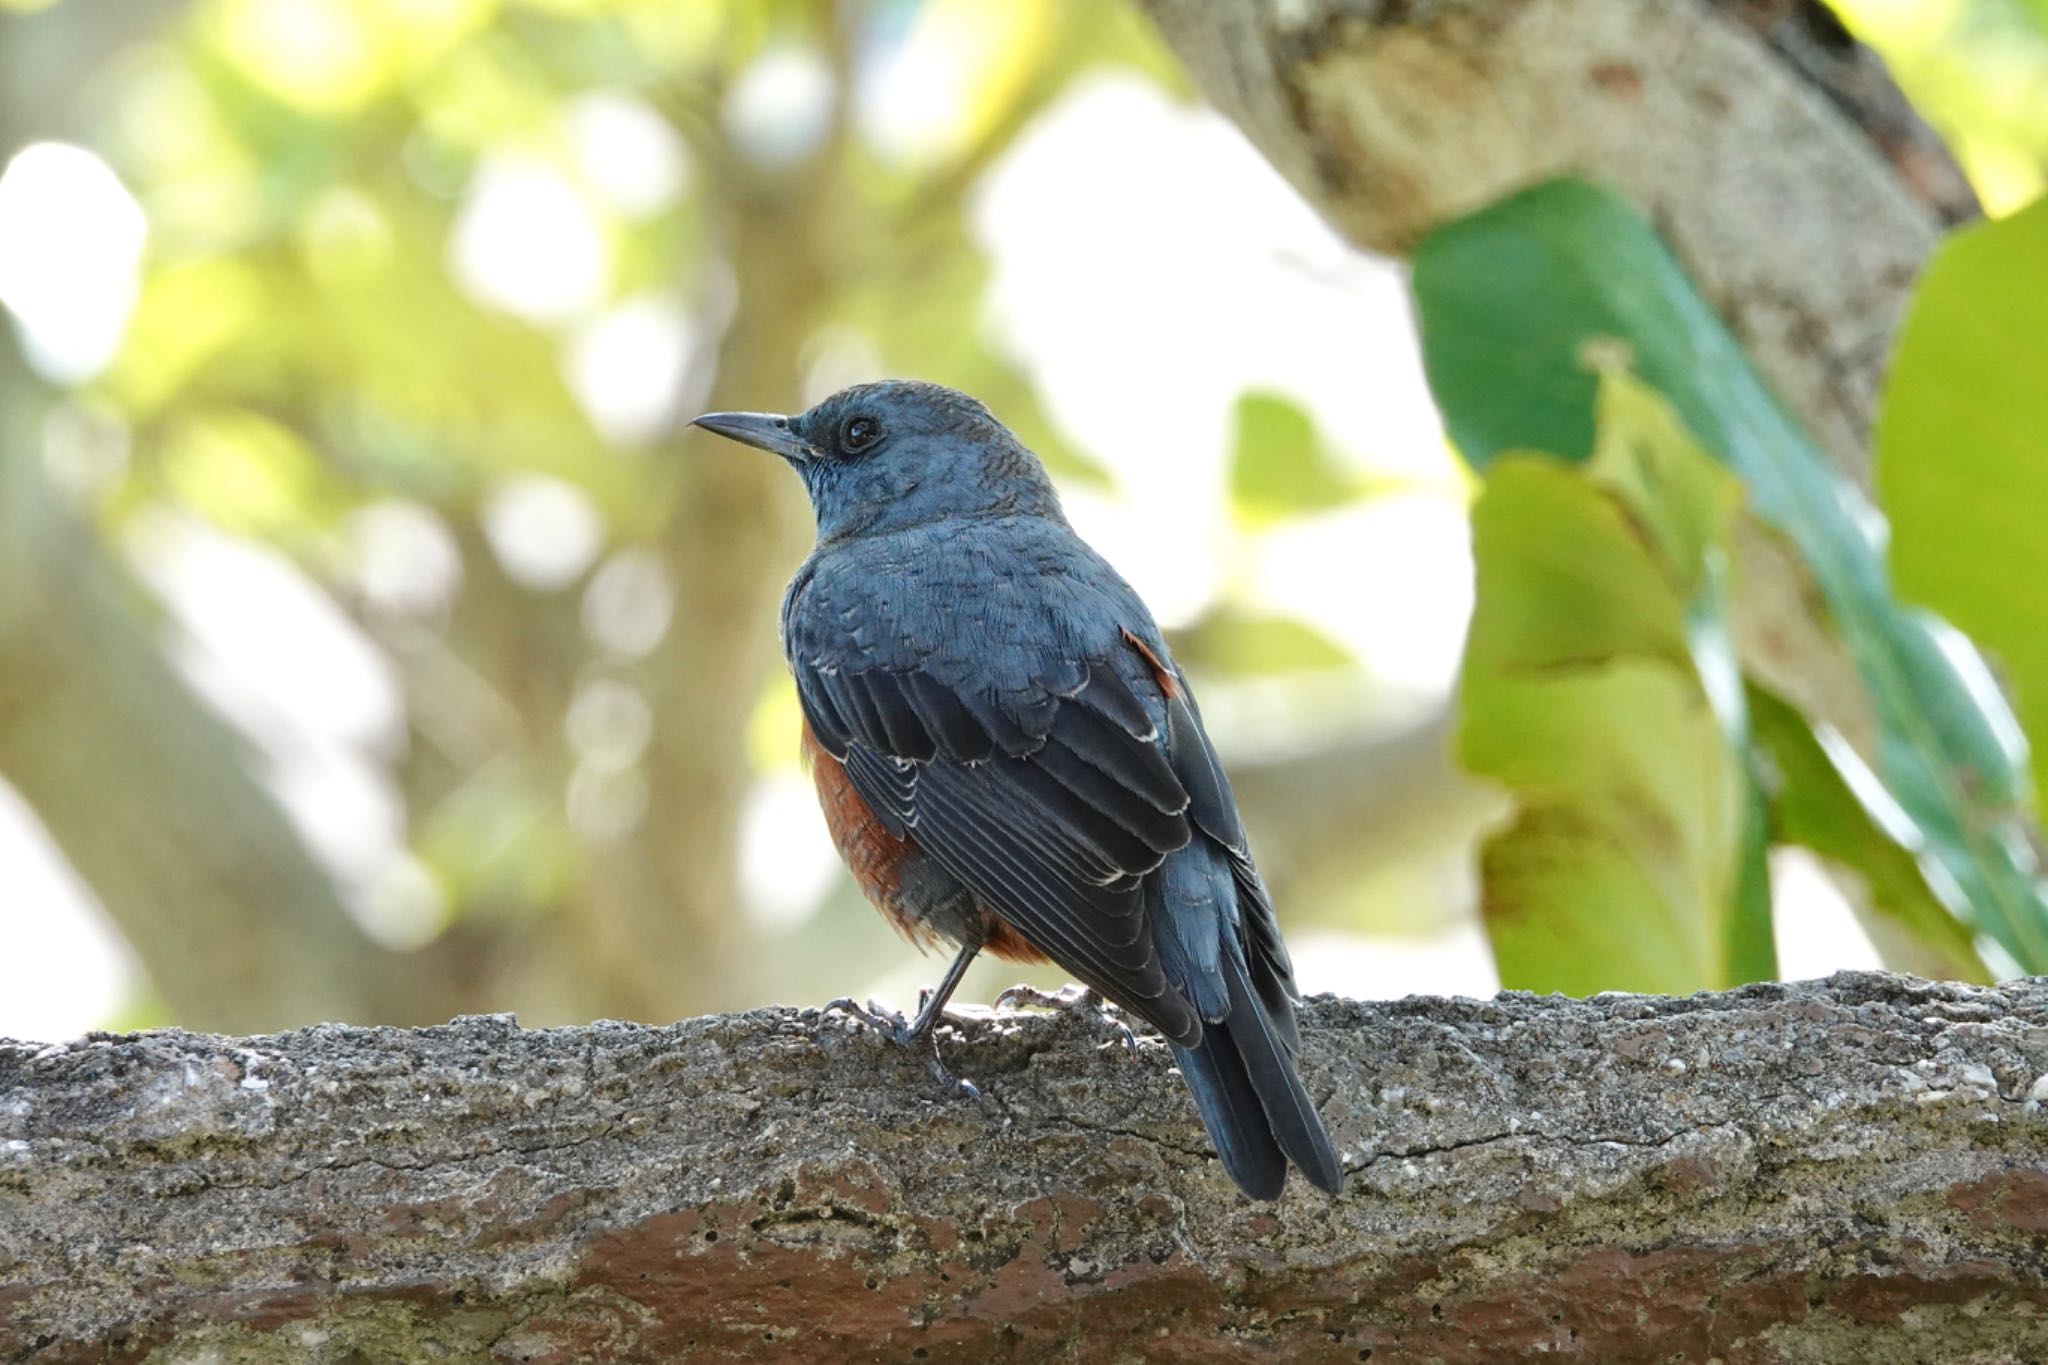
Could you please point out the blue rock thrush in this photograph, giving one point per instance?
(1009, 759)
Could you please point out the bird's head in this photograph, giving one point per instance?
(884, 456)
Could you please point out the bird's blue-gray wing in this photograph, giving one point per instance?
(1053, 760)
(1052, 804)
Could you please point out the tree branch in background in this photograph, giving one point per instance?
(1844, 1170)
(1326, 821)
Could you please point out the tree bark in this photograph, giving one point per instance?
(1854, 1169)
(1793, 180)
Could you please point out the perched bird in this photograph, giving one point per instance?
(1009, 759)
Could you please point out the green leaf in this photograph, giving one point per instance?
(1597, 687)
(1519, 301)
(1686, 506)
(1962, 450)
(1249, 644)
(1279, 466)
(1825, 799)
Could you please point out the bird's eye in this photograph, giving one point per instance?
(859, 433)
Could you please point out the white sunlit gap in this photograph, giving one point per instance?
(71, 238)
(1198, 274)
(525, 241)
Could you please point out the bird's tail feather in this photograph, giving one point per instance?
(1231, 1112)
(1251, 1099)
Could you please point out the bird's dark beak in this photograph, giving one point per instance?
(762, 430)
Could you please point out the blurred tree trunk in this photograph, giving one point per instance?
(148, 792)
(662, 917)
(654, 926)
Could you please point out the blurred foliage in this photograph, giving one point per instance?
(479, 458)
(318, 365)
(1978, 70)
(1520, 304)
(1600, 686)
(1960, 443)
(1234, 641)
(1279, 464)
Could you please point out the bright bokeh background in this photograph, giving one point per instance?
(359, 338)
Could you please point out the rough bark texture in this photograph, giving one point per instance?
(1844, 1170)
(1797, 185)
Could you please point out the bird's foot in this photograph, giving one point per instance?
(904, 1033)
(1070, 1000)
(1066, 998)
(928, 1026)
(959, 1087)
(883, 1020)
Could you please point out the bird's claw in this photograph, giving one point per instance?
(1065, 998)
(881, 1019)
(1070, 1000)
(958, 1086)
(900, 1031)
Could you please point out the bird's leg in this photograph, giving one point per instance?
(1069, 1000)
(931, 1005)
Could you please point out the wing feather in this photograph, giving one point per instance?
(952, 726)
(1156, 831)
(1031, 735)
(1136, 764)
(1110, 695)
(1053, 809)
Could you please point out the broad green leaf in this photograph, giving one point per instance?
(1686, 506)
(1597, 688)
(1962, 450)
(1279, 466)
(1823, 798)
(1517, 304)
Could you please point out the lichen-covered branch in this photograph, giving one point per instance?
(1799, 188)
(1845, 1170)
